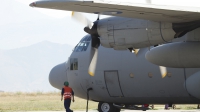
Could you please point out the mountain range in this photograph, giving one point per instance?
(26, 69)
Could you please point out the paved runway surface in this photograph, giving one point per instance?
(131, 111)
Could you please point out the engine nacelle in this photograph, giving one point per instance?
(122, 33)
(193, 85)
(176, 55)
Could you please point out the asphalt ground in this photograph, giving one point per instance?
(197, 110)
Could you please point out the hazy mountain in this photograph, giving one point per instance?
(27, 68)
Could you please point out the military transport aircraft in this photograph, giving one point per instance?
(164, 67)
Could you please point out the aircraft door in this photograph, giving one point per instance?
(113, 84)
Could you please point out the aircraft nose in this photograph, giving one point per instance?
(58, 75)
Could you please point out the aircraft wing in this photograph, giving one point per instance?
(174, 14)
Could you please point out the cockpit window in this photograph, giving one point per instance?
(83, 44)
(73, 64)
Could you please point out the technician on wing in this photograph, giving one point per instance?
(67, 93)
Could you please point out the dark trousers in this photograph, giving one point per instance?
(67, 103)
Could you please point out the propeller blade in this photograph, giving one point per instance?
(139, 52)
(136, 51)
(82, 19)
(163, 71)
(93, 56)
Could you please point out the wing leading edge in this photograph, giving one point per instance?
(152, 12)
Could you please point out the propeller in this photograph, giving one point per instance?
(136, 51)
(91, 28)
(93, 62)
(163, 71)
(82, 19)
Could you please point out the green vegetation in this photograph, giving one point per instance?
(38, 101)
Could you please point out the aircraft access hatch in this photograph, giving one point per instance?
(113, 84)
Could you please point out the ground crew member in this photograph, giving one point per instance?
(166, 107)
(67, 93)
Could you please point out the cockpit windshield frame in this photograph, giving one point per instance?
(83, 44)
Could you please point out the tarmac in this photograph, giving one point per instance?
(197, 110)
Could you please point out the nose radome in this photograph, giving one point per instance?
(58, 75)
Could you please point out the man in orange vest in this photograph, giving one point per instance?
(67, 93)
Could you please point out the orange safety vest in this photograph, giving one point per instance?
(67, 92)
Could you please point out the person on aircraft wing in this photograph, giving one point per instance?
(67, 93)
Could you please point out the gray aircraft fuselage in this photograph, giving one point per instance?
(123, 77)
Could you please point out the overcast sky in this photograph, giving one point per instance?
(22, 25)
